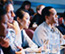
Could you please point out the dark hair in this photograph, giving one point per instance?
(25, 3)
(7, 3)
(2, 12)
(63, 15)
(46, 12)
(20, 13)
(38, 7)
(3, 3)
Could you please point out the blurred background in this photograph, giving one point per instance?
(59, 5)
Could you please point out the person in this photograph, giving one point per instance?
(26, 6)
(4, 41)
(37, 18)
(61, 27)
(23, 20)
(12, 24)
(2, 2)
(14, 40)
(18, 40)
(46, 33)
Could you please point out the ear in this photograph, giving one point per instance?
(38, 11)
(46, 17)
(18, 19)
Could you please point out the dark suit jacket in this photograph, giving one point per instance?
(61, 28)
(8, 50)
(37, 18)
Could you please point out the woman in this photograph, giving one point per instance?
(26, 6)
(23, 19)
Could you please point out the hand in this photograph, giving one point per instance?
(4, 42)
(3, 30)
(10, 25)
(64, 36)
(21, 51)
(40, 49)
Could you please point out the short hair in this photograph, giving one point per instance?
(38, 7)
(2, 12)
(46, 12)
(20, 13)
(63, 15)
(7, 3)
(25, 3)
(2, 2)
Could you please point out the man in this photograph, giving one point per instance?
(3, 30)
(4, 41)
(12, 24)
(38, 18)
(47, 34)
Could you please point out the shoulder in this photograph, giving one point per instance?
(40, 28)
(57, 30)
(24, 33)
(15, 22)
(37, 15)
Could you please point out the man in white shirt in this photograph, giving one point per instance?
(47, 34)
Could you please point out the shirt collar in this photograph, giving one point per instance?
(51, 29)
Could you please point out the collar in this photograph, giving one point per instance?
(51, 29)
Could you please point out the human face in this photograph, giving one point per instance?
(27, 7)
(10, 13)
(53, 18)
(25, 21)
(3, 25)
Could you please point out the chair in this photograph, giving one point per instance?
(32, 28)
(29, 33)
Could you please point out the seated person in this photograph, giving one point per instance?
(2, 2)
(4, 41)
(13, 38)
(23, 20)
(26, 6)
(61, 27)
(46, 33)
(37, 18)
(12, 24)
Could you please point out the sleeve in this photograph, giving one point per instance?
(31, 44)
(62, 41)
(18, 33)
(16, 27)
(12, 41)
(8, 50)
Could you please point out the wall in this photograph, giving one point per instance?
(59, 5)
(49, 1)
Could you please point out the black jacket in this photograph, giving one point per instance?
(8, 50)
(37, 18)
(61, 28)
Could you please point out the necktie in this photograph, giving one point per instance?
(22, 38)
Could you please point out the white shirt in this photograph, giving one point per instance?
(27, 41)
(18, 33)
(45, 34)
